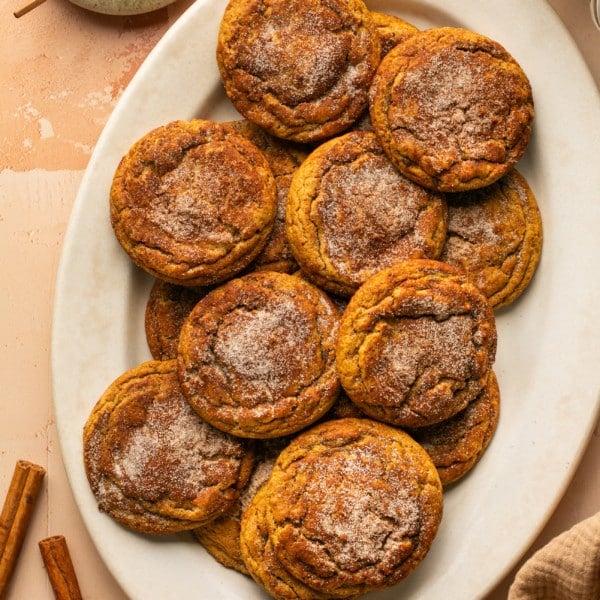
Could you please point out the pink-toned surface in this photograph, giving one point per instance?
(62, 71)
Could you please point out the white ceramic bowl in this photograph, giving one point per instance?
(122, 7)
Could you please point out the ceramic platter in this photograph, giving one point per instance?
(548, 351)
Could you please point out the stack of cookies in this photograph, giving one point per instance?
(327, 270)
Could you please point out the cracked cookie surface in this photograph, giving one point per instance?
(352, 506)
(300, 69)
(452, 108)
(495, 235)
(257, 355)
(152, 463)
(350, 213)
(416, 343)
(193, 202)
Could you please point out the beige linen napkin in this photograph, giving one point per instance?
(567, 568)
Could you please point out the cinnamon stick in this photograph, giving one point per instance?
(59, 567)
(16, 514)
(27, 8)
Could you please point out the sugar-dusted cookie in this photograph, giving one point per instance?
(452, 108)
(152, 463)
(301, 69)
(283, 158)
(416, 343)
(167, 307)
(456, 445)
(352, 506)
(257, 355)
(392, 30)
(350, 213)
(193, 202)
(495, 235)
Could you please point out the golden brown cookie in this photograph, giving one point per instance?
(283, 158)
(193, 202)
(456, 445)
(350, 213)
(452, 108)
(300, 69)
(221, 537)
(392, 30)
(352, 505)
(167, 307)
(152, 463)
(495, 235)
(416, 343)
(257, 355)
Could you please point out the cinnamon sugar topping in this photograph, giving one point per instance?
(466, 109)
(298, 61)
(372, 216)
(446, 347)
(199, 200)
(358, 522)
(172, 453)
(259, 346)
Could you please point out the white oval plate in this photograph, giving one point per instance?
(548, 352)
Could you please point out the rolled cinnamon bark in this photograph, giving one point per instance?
(59, 567)
(16, 514)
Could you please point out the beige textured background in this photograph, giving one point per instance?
(62, 71)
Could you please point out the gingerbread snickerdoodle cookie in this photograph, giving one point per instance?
(300, 69)
(152, 463)
(193, 202)
(456, 445)
(284, 158)
(352, 506)
(167, 307)
(350, 213)
(257, 355)
(416, 343)
(452, 108)
(495, 235)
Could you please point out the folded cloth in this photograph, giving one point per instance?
(567, 568)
